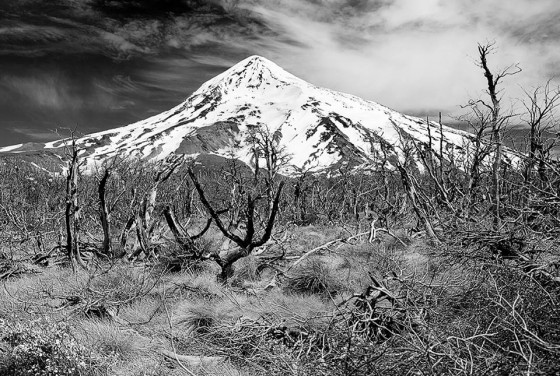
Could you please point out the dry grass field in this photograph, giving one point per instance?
(353, 308)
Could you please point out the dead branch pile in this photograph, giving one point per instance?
(354, 335)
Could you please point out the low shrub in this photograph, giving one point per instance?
(42, 348)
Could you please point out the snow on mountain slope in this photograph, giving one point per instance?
(319, 128)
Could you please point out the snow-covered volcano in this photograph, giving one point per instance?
(317, 127)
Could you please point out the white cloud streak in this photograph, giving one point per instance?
(415, 56)
(44, 91)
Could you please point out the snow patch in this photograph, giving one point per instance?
(10, 148)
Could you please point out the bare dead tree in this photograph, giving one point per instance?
(104, 213)
(249, 241)
(129, 224)
(540, 106)
(433, 162)
(143, 217)
(266, 146)
(419, 209)
(478, 149)
(407, 149)
(497, 119)
(106, 208)
(256, 202)
(72, 211)
(300, 192)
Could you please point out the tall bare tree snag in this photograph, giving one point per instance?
(72, 209)
(106, 207)
(266, 146)
(497, 120)
(433, 161)
(418, 208)
(123, 238)
(104, 213)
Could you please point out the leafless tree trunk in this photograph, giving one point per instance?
(129, 223)
(144, 215)
(497, 121)
(104, 213)
(73, 210)
(408, 147)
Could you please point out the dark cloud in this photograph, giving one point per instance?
(101, 64)
(154, 8)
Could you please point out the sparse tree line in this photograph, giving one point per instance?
(480, 204)
(512, 197)
(127, 210)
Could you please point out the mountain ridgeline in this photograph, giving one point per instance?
(316, 128)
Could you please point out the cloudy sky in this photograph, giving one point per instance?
(98, 64)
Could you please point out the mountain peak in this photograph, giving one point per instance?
(255, 59)
(257, 63)
(251, 73)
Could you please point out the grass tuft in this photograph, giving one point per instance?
(196, 317)
(111, 341)
(314, 276)
(121, 283)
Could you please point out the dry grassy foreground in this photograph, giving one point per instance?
(354, 308)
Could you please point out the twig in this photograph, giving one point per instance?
(326, 245)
